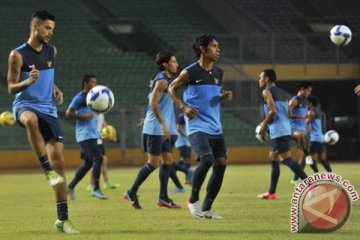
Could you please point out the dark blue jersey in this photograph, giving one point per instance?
(38, 96)
(203, 93)
(280, 124)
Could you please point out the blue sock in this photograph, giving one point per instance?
(174, 177)
(45, 163)
(81, 172)
(275, 173)
(144, 172)
(164, 179)
(62, 210)
(326, 165)
(314, 167)
(200, 175)
(295, 167)
(214, 186)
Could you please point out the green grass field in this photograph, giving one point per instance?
(28, 209)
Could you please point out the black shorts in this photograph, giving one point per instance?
(155, 144)
(207, 143)
(184, 151)
(102, 148)
(317, 148)
(90, 150)
(49, 126)
(280, 145)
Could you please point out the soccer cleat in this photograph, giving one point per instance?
(178, 190)
(110, 185)
(54, 178)
(294, 182)
(133, 199)
(309, 160)
(189, 177)
(71, 193)
(65, 226)
(267, 195)
(169, 203)
(210, 214)
(98, 194)
(195, 210)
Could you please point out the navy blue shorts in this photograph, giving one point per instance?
(90, 150)
(281, 144)
(155, 144)
(204, 143)
(184, 151)
(49, 126)
(317, 148)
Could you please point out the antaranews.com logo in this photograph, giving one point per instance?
(321, 203)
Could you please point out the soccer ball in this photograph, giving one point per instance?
(331, 137)
(7, 118)
(108, 133)
(100, 99)
(340, 35)
(258, 135)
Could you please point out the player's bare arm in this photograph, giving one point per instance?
(357, 90)
(14, 68)
(58, 95)
(272, 110)
(310, 117)
(180, 129)
(160, 87)
(181, 81)
(71, 113)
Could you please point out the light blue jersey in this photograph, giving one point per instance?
(298, 124)
(38, 96)
(203, 93)
(280, 124)
(85, 129)
(166, 109)
(316, 134)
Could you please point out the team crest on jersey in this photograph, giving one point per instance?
(49, 63)
(217, 81)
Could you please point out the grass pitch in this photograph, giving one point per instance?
(28, 209)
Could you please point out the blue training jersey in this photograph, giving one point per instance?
(203, 93)
(316, 134)
(298, 124)
(280, 124)
(85, 129)
(38, 96)
(166, 109)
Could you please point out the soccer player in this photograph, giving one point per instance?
(297, 113)
(157, 136)
(87, 135)
(104, 170)
(183, 145)
(202, 96)
(31, 77)
(278, 123)
(317, 143)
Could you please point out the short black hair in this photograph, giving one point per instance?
(42, 15)
(86, 79)
(202, 41)
(163, 57)
(305, 84)
(313, 100)
(270, 73)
